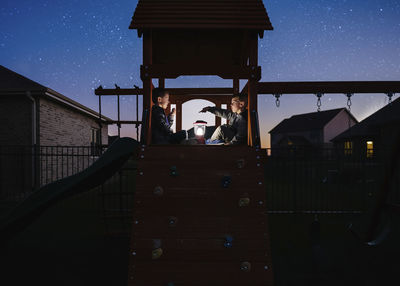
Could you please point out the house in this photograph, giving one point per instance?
(312, 130)
(32, 114)
(372, 135)
(36, 120)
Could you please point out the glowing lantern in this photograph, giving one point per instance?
(199, 129)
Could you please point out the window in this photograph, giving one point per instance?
(95, 149)
(370, 149)
(348, 147)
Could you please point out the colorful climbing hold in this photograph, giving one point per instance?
(228, 241)
(173, 171)
(226, 181)
(244, 202)
(172, 221)
(158, 191)
(245, 266)
(156, 254)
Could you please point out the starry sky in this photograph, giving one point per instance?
(75, 46)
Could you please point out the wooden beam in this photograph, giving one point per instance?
(122, 122)
(161, 82)
(252, 92)
(328, 87)
(175, 91)
(147, 83)
(178, 115)
(225, 72)
(251, 107)
(217, 118)
(236, 86)
(211, 97)
(281, 88)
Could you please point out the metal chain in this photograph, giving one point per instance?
(390, 95)
(349, 95)
(277, 101)
(319, 103)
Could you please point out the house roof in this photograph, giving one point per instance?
(12, 81)
(368, 126)
(214, 14)
(16, 84)
(307, 121)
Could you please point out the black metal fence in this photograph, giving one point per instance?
(302, 180)
(298, 180)
(24, 169)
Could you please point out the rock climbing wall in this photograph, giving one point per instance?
(200, 218)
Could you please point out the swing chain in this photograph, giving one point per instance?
(277, 101)
(319, 103)
(390, 95)
(349, 95)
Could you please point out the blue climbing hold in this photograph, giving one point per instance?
(173, 171)
(228, 241)
(226, 181)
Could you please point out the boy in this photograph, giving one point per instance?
(235, 132)
(161, 132)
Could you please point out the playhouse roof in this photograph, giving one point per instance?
(214, 14)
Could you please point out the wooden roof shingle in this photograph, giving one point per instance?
(192, 14)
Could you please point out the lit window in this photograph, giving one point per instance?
(370, 149)
(348, 147)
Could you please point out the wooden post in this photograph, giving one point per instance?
(236, 86)
(252, 87)
(178, 115)
(252, 107)
(147, 83)
(161, 82)
(217, 118)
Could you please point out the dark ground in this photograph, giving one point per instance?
(66, 246)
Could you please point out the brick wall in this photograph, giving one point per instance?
(61, 125)
(24, 168)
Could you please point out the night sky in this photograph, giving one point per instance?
(74, 46)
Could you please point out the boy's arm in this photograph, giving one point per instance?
(224, 113)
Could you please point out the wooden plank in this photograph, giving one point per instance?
(196, 151)
(147, 83)
(199, 255)
(205, 224)
(204, 213)
(202, 244)
(223, 200)
(245, 165)
(226, 72)
(186, 273)
(196, 191)
(173, 91)
(328, 87)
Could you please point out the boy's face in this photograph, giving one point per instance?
(236, 105)
(163, 101)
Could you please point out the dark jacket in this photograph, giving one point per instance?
(238, 122)
(160, 126)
